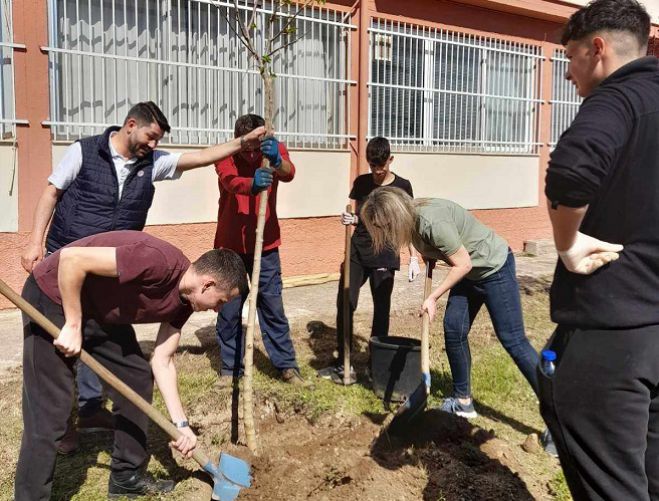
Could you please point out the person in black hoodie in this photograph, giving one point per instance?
(602, 401)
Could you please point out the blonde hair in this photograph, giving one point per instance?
(390, 218)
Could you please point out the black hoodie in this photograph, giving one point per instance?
(609, 160)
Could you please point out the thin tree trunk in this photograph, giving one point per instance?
(248, 400)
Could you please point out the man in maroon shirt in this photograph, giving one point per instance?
(240, 179)
(94, 289)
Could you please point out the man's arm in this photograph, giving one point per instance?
(164, 371)
(219, 152)
(33, 251)
(460, 263)
(75, 263)
(579, 253)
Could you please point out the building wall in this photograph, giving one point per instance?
(504, 191)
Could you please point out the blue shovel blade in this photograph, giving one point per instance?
(231, 475)
(235, 470)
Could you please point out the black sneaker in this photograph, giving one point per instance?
(140, 484)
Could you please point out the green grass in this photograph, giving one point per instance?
(504, 400)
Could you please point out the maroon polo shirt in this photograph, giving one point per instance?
(146, 289)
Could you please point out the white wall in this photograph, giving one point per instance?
(322, 184)
(9, 189)
(473, 181)
(320, 188)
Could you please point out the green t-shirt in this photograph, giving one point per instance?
(442, 227)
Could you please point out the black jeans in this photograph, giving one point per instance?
(381, 281)
(48, 384)
(602, 408)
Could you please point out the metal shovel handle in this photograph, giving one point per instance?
(107, 376)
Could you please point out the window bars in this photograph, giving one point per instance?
(435, 90)
(106, 55)
(565, 101)
(8, 118)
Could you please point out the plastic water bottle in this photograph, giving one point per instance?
(548, 360)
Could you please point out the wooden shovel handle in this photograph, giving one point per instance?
(347, 330)
(127, 392)
(425, 333)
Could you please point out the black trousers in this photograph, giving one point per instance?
(48, 391)
(602, 408)
(381, 281)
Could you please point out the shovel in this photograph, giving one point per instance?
(229, 475)
(347, 328)
(416, 402)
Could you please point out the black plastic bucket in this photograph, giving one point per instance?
(395, 367)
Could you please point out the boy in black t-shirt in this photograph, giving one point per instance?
(378, 269)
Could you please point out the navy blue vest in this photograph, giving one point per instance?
(91, 204)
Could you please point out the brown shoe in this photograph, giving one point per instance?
(69, 443)
(292, 376)
(101, 420)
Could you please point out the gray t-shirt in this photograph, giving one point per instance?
(442, 227)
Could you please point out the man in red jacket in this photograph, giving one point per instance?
(240, 179)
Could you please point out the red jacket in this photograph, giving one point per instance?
(238, 208)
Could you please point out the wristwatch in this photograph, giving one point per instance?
(181, 424)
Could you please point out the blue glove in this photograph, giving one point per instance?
(270, 150)
(262, 179)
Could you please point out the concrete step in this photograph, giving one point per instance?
(539, 247)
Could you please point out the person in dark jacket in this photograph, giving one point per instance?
(602, 401)
(105, 183)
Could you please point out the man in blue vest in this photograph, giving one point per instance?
(105, 183)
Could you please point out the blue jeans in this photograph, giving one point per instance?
(500, 294)
(275, 331)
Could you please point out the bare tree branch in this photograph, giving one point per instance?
(238, 35)
(252, 19)
(246, 39)
(273, 18)
(290, 20)
(270, 54)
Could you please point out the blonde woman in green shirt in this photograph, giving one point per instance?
(482, 272)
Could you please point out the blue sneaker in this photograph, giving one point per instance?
(548, 443)
(453, 406)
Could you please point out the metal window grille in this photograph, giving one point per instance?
(8, 118)
(106, 55)
(565, 101)
(448, 91)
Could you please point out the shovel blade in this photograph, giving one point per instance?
(410, 409)
(235, 470)
(231, 475)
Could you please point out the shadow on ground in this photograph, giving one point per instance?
(448, 449)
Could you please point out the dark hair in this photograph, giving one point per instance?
(609, 15)
(147, 113)
(247, 123)
(225, 266)
(378, 151)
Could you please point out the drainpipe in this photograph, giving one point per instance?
(362, 129)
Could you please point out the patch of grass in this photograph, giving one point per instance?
(558, 487)
(321, 397)
(504, 401)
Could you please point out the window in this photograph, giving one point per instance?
(448, 91)
(565, 101)
(8, 119)
(107, 55)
